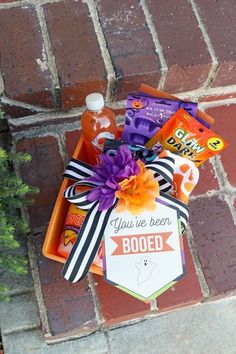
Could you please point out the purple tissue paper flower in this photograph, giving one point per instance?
(111, 171)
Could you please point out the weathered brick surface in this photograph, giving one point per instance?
(130, 45)
(23, 58)
(71, 139)
(44, 171)
(217, 16)
(207, 180)
(70, 307)
(183, 46)
(78, 57)
(186, 291)
(214, 234)
(225, 126)
(117, 306)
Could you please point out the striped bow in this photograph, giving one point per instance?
(87, 243)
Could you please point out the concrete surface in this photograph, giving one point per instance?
(207, 328)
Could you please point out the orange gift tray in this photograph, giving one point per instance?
(59, 213)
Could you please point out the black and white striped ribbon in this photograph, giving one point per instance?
(86, 246)
(183, 208)
(84, 250)
(163, 172)
(77, 170)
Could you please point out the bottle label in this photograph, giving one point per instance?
(99, 140)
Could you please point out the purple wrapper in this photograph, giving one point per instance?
(146, 115)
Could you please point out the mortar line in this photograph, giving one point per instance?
(62, 148)
(19, 292)
(97, 308)
(25, 328)
(224, 184)
(208, 194)
(205, 105)
(47, 47)
(157, 44)
(1, 84)
(208, 91)
(111, 76)
(153, 305)
(106, 335)
(50, 129)
(197, 264)
(45, 131)
(13, 102)
(37, 283)
(25, 3)
(118, 105)
(209, 45)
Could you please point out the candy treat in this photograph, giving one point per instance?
(146, 115)
(185, 136)
(74, 219)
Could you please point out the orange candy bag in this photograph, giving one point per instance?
(184, 135)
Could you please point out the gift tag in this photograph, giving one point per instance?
(143, 252)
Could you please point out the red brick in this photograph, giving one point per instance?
(70, 307)
(207, 180)
(225, 127)
(187, 291)
(44, 171)
(214, 234)
(72, 140)
(218, 16)
(182, 43)
(130, 45)
(116, 305)
(76, 49)
(21, 46)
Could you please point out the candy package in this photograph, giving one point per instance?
(185, 136)
(146, 115)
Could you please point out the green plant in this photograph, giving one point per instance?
(13, 193)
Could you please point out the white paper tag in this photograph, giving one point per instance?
(143, 252)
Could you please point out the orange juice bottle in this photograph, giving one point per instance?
(73, 222)
(98, 123)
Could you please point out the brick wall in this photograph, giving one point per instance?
(53, 53)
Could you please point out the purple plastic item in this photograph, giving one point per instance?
(146, 115)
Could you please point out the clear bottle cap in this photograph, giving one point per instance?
(94, 101)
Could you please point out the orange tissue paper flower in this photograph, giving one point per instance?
(138, 193)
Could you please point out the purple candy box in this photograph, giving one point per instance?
(146, 115)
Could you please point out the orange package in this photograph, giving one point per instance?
(184, 135)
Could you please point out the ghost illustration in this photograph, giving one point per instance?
(145, 268)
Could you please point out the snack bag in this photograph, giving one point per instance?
(74, 220)
(183, 135)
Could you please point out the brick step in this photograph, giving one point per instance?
(75, 309)
(58, 52)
